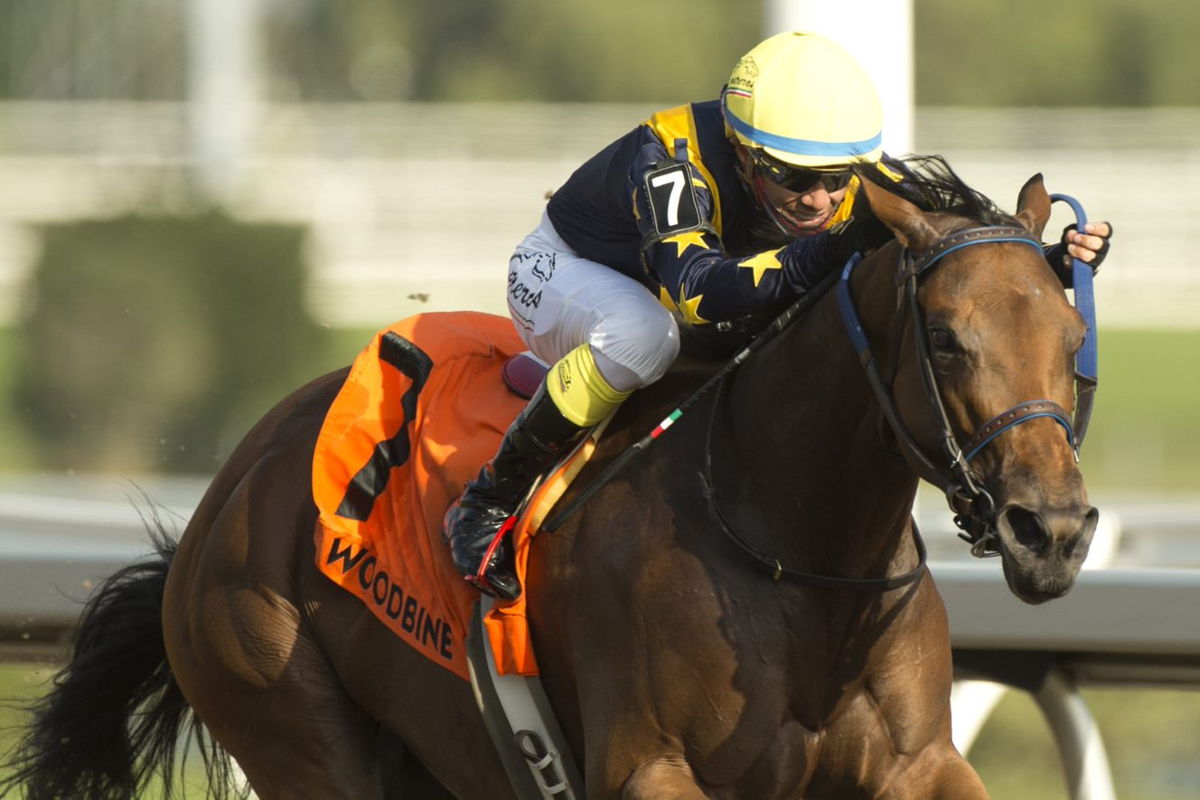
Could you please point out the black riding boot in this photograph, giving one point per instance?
(534, 441)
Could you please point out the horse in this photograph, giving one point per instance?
(742, 611)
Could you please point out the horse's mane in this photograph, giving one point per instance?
(929, 183)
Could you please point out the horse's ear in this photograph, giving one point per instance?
(907, 221)
(1033, 205)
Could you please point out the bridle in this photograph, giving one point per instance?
(975, 511)
(974, 508)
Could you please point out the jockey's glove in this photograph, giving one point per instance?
(1061, 261)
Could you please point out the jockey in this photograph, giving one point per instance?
(704, 213)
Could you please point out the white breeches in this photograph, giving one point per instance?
(559, 300)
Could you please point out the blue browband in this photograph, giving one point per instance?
(975, 509)
(919, 264)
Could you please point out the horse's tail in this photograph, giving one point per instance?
(114, 716)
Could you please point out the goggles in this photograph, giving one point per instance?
(799, 179)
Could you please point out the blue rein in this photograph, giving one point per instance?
(1086, 360)
(966, 494)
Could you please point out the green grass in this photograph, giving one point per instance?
(1145, 433)
(19, 448)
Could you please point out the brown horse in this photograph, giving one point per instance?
(677, 668)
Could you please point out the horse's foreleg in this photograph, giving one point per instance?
(664, 778)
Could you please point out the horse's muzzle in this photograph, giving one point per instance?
(1043, 550)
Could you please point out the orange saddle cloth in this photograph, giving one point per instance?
(424, 406)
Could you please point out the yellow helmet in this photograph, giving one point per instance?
(804, 100)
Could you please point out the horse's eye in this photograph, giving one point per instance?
(942, 339)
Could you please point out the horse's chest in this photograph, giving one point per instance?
(784, 759)
(782, 765)
(804, 723)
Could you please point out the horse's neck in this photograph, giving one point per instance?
(816, 479)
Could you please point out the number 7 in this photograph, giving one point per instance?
(676, 179)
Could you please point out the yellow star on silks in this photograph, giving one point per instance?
(683, 240)
(665, 298)
(761, 263)
(690, 308)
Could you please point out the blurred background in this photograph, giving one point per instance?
(205, 203)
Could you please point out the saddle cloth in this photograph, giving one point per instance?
(423, 407)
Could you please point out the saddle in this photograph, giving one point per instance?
(424, 404)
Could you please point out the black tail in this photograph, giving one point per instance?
(114, 717)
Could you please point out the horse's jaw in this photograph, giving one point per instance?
(1043, 549)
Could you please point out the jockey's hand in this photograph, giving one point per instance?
(1090, 247)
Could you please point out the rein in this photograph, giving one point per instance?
(773, 566)
(975, 510)
(1086, 371)
(768, 564)
(802, 304)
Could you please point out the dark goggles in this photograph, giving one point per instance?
(799, 179)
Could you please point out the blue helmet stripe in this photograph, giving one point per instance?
(802, 147)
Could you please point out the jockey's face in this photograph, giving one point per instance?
(798, 211)
(805, 212)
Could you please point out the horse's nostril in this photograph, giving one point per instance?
(1027, 528)
(1081, 541)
